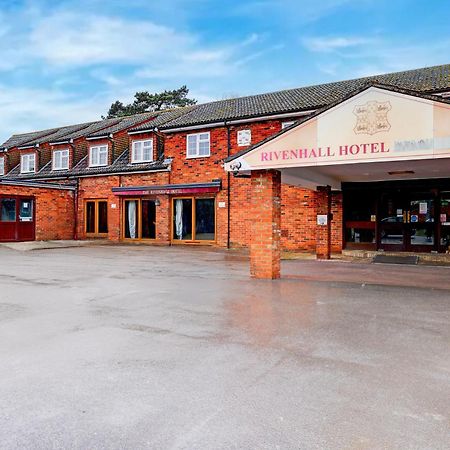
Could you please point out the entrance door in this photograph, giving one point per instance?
(407, 222)
(25, 225)
(421, 228)
(17, 221)
(392, 219)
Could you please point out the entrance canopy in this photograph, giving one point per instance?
(379, 133)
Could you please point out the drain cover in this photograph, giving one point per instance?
(391, 259)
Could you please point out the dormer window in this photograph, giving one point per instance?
(98, 156)
(2, 165)
(28, 163)
(142, 151)
(61, 159)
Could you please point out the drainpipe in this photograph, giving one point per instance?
(75, 206)
(228, 186)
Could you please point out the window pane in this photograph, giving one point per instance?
(103, 157)
(192, 145)
(102, 217)
(204, 137)
(148, 219)
(94, 156)
(205, 227)
(90, 217)
(8, 210)
(360, 235)
(26, 210)
(136, 151)
(182, 219)
(204, 148)
(31, 165)
(131, 222)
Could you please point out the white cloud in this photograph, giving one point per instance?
(330, 44)
(24, 109)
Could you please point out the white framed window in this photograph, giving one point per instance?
(142, 151)
(28, 163)
(98, 156)
(287, 124)
(61, 159)
(2, 165)
(244, 137)
(198, 145)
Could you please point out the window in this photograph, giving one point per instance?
(2, 165)
(142, 151)
(244, 137)
(194, 219)
(96, 223)
(287, 124)
(7, 210)
(198, 145)
(60, 159)
(98, 156)
(28, 163)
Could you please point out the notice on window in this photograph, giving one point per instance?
(423, 208)
(414, 218)
(443, 218)
(399, 212)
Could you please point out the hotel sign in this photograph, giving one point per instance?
(374, 125)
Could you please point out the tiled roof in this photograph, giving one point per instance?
(58, 134)
(92, 128)
(429, 79)
(120, 165)
(22, 139)
(162, 117)
(123, 124)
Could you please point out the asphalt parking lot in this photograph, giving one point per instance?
(171, 348)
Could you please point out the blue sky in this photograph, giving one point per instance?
(64, 62)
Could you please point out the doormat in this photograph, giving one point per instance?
(391, 259)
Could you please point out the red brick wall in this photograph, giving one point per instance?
(54, 211)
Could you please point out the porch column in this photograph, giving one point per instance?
(323, 227)
(265, 224)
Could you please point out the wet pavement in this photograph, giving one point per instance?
(174, 348)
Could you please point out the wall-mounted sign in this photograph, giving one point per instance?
(443, 217)
(322, 219)
(113, 206)
(244, 137)
(414, 218)
(222, 204)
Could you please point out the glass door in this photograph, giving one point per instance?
(139, 219)
(444, 222)
(194, 220)
(421, 230)
(392, 218)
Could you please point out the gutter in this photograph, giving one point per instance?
(35, 184)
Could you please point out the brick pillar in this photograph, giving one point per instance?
(323, 232)
(163, 220)
(265, 224)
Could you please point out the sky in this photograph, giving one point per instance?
(66, 61)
